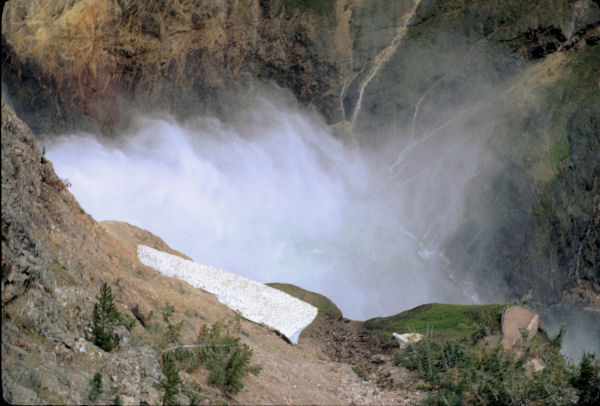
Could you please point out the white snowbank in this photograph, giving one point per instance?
(253, 300)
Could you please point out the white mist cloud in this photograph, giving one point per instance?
(276, 198)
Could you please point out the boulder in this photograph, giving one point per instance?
(518, 323)
(407, 338)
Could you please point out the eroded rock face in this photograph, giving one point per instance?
(51, 253)
(85, 62)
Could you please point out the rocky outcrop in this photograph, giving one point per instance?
(52, 257)
(518, 324)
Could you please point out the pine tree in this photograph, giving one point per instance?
(96, 384)
(169, 385)
(587, 382)
(105, 317)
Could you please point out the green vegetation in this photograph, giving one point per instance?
(194, 393)
(117, 401)
(218, 348)
(574, 104)
(172, 335)
(462, 361)
(447, 321)
(105, 318)
(16, 166)
(126, 320)
(320, 7)
(587, 380)
(562, 204)
(169, 385)
(96, 387)
(221, 352)
(167, 312)
(362, 371)
(323, 304)
(560, 151)
(456, 372)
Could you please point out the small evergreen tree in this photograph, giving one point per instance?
(587, 381)
(105, 318)
(96, 385)
(169, 385)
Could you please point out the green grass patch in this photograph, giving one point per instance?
(446, 321)
(323, 304)
(561, 151)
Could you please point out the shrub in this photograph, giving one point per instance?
(105, 318)
(321, 7)
(224, 356)
(172, 335)
(167, 311)
(169, 385)
(126, 320)
(96, 385)
(460, 373)
(587, 380)
(361, 371)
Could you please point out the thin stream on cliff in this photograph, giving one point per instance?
(381, 58)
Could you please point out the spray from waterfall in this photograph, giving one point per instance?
(273, 196)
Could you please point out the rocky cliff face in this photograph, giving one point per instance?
(90, 59)
(521, 77)
(52, 257)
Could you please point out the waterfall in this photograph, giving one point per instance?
(380, 59)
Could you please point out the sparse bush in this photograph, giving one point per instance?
(127, 321)
(224, 356)
(194, 394)
(167, 311)
(96, 387)
(117, 401)
(362, 371)
(16, 166)
(172, 336)
(321, 7)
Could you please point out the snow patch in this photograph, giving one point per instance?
(255, 301)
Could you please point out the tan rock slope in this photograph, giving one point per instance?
(54, 259)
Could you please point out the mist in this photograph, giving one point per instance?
(271, 194)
